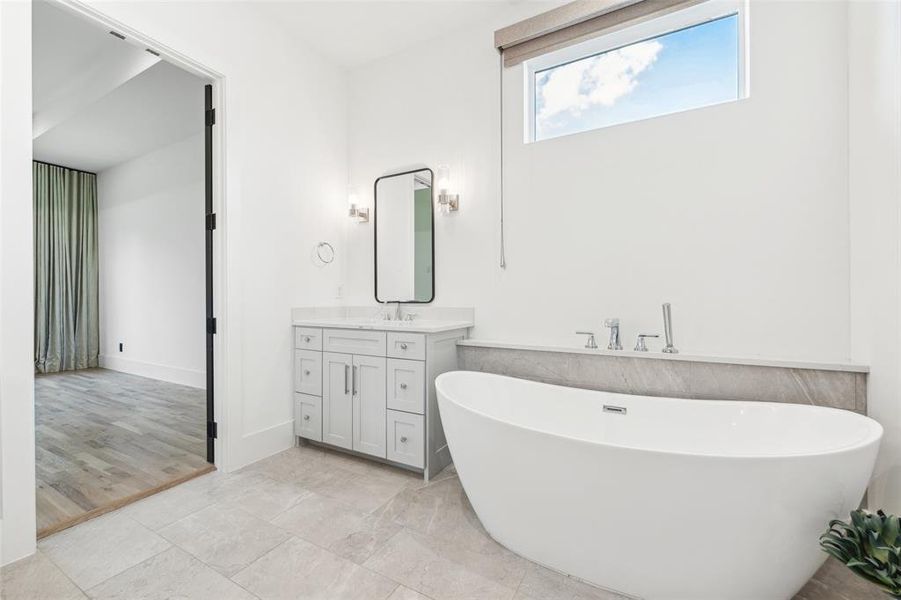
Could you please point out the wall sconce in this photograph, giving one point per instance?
(360, 213)
(447, 201)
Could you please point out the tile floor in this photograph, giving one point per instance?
(307, 523)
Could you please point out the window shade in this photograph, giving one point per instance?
(576, 22)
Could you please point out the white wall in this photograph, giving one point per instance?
(875, 217)
(736, 214)
(16, 287)
(772, 224)
(283, 123)
(152, 263)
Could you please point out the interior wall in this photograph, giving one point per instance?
(875, 218)
(736, 214)
(152, 263)
(17, 480)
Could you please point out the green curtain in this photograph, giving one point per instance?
(66, 313)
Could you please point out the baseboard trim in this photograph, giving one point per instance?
(263, 443)
(188, 377)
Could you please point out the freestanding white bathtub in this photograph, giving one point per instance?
(673, 499)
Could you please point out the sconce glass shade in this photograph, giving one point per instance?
(444, 179)
(448, 202)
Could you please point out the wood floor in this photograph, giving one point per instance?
(104, 439)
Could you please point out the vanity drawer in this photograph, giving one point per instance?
(308, 417)
(406, 438)
(308, 338)
(406, 345)
(353, 341)
(406, 385)
(308, 372)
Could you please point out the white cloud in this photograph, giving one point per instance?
(598, 81)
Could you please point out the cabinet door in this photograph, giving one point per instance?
(308, 417)
(406, 385)
(369, 405)
(308, 372)
(337, 400)
(406, 438)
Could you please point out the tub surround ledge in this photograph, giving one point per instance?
(681, 376)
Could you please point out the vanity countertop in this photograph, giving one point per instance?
(415, 326)
(753, 361)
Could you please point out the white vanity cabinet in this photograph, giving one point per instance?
(372, 392)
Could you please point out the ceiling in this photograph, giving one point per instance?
(99, 101)
(354, 32)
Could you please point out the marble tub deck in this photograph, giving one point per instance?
(309, 523)
(650, 376)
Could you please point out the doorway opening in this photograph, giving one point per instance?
(124, 227)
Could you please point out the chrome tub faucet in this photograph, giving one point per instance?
(613, 325)
(640, 344)
(590, 343)
(668, 329)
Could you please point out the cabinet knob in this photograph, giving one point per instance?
(306, 338)
(307, 372)
(403, 439)
(403, 386)
(403, 346)
(306, 417)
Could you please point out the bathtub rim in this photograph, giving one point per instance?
(874, 436)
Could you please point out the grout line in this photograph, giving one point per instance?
(256, 560)
(58, 568)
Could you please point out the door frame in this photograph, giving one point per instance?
(216, 430)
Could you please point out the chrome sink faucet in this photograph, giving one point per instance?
(613, 325)
(397, 312)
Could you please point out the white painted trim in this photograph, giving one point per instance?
(17, 451)
(189, 377)
(264, 443)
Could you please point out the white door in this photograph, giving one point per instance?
(370, 412)
(337, 400)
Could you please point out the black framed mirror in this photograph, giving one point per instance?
(404, 219)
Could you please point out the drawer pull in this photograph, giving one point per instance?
(306, 417)
(403, 346)
(306, 338)
(403, 386)
(403, 439)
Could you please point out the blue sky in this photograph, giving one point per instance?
(681, 70)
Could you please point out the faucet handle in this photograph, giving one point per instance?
(590, 343)
(409, 316)
(640, 345)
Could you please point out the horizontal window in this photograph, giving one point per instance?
(682, 61)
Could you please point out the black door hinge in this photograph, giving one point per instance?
(212, 430)
(211, 325)
(211, 221)
(211, 117)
